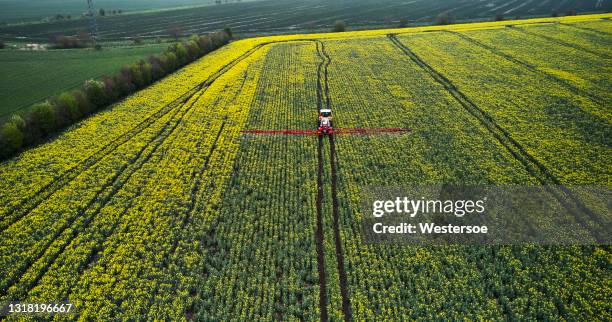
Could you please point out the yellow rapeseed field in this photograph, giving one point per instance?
(159, 208)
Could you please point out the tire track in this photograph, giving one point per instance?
(346, 305)
(197, 189)
(531, 164)
(196, 178)
(103, 196)
(319, 236)
(116, 183)
(558, 42)
(30, 203)
(323, 87)
(573, 25)
(529, 66)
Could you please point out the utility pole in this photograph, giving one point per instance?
(92, 21)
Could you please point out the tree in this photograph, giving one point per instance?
(11, 139)
(138, 78)
(2, 45)
(83, 37)
(18, 120)
(95, 93)
(181, 54)
(218, 39)
(147, 72)
(445, 18)
(102, 12)
(64, 42)
(205, 44)
(125, 80)
(169, 61)
(67, 109)
(339, 26)
(83, 105)
(42, 119)
(157, 71)
(228, 31)
(499, 17)
(403, 23)
(193, 50)
(175, 32)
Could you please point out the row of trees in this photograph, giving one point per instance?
(102, 12)
(46, 118)
(81, 40)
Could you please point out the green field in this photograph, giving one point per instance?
(31, 76)
(288, 16)
(15, 11)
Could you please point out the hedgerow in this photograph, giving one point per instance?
(46, 118)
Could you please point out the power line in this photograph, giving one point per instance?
(92, 21)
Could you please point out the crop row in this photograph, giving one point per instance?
(578, 71)
(182, 216)
(125, 215)
(285, 16)
(26, 176)
(446, 145)
(261, 261)
(567, 132)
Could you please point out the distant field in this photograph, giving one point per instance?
(282, 16)
(14, 11)
(30, 76)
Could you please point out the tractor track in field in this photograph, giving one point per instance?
(319, 236)
(116, 183)
(197, 178)
(30, 203)
(346, 305)
(572, 25)
(100, 200)
(535, 168)
(196, 188)
(26, 205)
(323, 95)
(529, 66)
(192, 195)
(559, 42)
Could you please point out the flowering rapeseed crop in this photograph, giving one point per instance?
(159, 208)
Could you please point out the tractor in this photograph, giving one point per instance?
(325, 122)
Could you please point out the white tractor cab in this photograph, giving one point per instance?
(325, 122)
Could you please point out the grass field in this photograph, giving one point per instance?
(283, 16)
(31, 76)
(159, 208)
